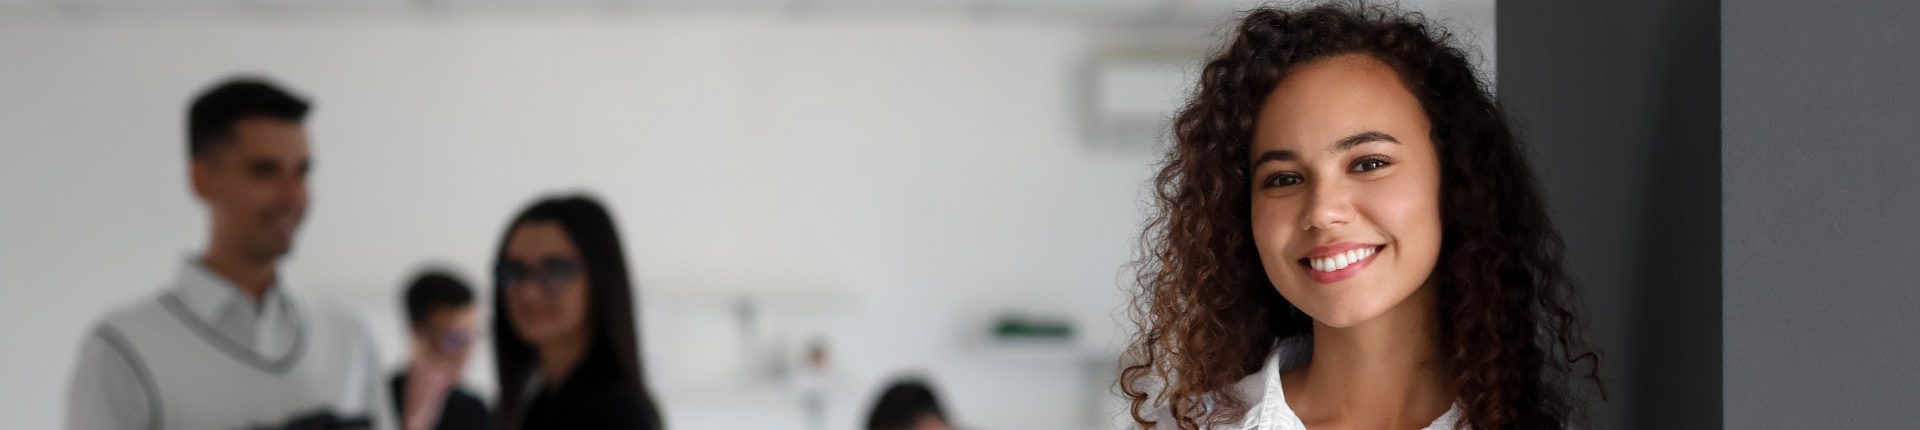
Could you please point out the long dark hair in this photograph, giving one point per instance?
(1208, 314)
(613, 336)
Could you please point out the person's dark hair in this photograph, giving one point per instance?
(610, 316)
(902, 404)
(432, 291)
(211, 118)
(1207, 312)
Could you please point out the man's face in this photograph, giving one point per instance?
(256, 187)
(448, 333)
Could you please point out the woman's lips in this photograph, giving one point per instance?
(1335, 263)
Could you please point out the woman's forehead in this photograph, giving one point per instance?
(1324, 101)
(539, 239)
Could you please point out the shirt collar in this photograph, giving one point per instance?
(1263, 389)
(205, 293)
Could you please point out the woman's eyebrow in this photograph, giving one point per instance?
(1275, 155)
(1343, 144)
(1363, 137)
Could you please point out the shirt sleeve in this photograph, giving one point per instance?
(110, 388)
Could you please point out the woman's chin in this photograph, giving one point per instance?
(1349, 314)
(1342, 320)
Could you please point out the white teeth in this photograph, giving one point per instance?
(1340, 261)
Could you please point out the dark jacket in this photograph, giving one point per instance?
(462, 411)
(594, 396)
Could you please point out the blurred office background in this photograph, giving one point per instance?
(892, 180)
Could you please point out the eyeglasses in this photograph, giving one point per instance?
(454, 341)
(552, 275)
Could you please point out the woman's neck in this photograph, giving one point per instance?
(1384, 373)
(560, 358)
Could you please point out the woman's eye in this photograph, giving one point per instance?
(1281, 180)
(1369, 165)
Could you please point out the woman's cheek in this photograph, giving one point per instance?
(1398, 207)
(577, 306)
(1407, 209)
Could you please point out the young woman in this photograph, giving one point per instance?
(1347, 235)
(564, 332)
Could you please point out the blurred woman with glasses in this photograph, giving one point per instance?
(566, 346)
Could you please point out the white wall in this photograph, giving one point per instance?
(885, 181)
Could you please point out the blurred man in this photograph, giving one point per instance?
(426, 396)
(226, 345)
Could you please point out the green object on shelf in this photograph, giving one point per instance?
(1015, 326)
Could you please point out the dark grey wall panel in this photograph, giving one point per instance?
(1822, 189)
(1620, 102)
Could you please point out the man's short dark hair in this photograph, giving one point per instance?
(903, 404)
(211, 118)
(433, 290)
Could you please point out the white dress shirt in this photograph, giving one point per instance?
(1268, 408)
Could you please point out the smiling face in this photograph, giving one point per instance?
(256, 187)
(1345, 190)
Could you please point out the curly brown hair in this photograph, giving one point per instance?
(1207, 313)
